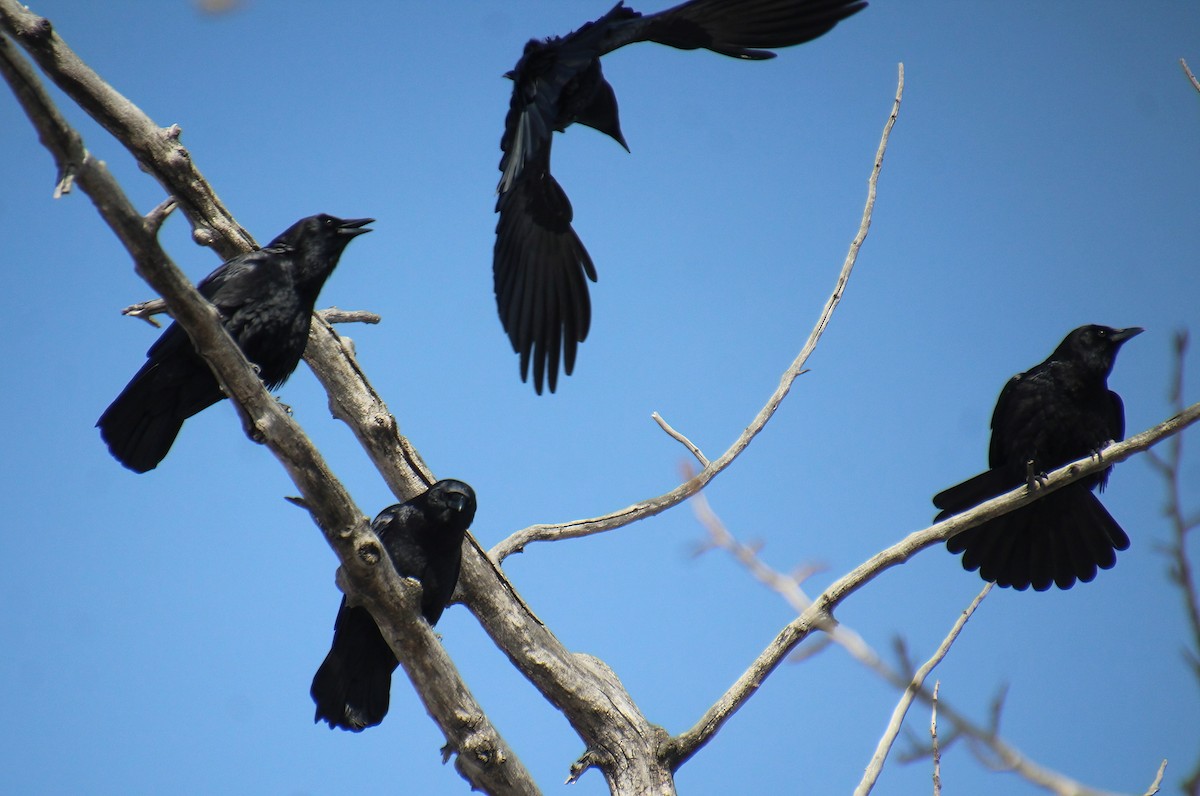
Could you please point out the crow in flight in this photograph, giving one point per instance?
(539, 263)
(266, 300)
(423, 537)
(1055, 413)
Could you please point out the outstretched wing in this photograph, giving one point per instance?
(737, 28)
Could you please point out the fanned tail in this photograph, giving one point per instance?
(1056, 540)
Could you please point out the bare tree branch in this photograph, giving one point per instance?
(820, 614)
(1190, 76)
(483, 757)
(125, 121)
(875, 767)
(619, 739)
(648, 508)
(1154, 786)
(933, 740)
(1180, 571)
(682, 440)
(984, 740)
(598, 708)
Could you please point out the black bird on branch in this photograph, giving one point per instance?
(266, 300)
(423, 538)
(539, 263)
(1059, 411)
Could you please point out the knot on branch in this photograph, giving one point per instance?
(38, 31)
(369, 553)
(478, 751)
(204, 236)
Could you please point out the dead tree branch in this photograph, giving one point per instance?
(985, 742)
(1180, 570)
(875, 767)
(483, 757)
(820, 613)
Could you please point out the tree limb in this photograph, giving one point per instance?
(483, 757)
(1003, 755)
(1190, 76)
(875, 767)
(147, 142)
(1180, 571)
(820, 613)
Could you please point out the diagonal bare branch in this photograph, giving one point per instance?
(484, 759)
(982, 740)
(1187, 71)
(820, 613)
(148, 142)
(875, 767)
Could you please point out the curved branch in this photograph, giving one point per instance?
(648, 508)
(820, 613)
(982, 738)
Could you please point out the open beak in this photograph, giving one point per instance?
(354, 226)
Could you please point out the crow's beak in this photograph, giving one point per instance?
(1121, 335)
(354, 226)
(510, 74)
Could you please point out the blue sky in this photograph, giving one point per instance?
(161, 630)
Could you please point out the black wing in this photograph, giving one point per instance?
(539, 263)
(737, 28)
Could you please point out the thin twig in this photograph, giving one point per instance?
(875, 767)
(572, 530)
(1190, 76)
(933, 740)
(682, 440)
(1157, 783)
(1180, 570)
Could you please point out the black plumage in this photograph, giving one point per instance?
(1056, 412)
(423, 538)
(540, 266)
(266, 300)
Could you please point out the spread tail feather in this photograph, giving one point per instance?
(1063, 537)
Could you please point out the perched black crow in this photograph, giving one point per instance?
(266, 300)
(423, 537)
(1055, 413)
(539, 262)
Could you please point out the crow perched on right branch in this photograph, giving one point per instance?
(539, 263)
(266, 301)
(1058, 411)
(423, 538)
